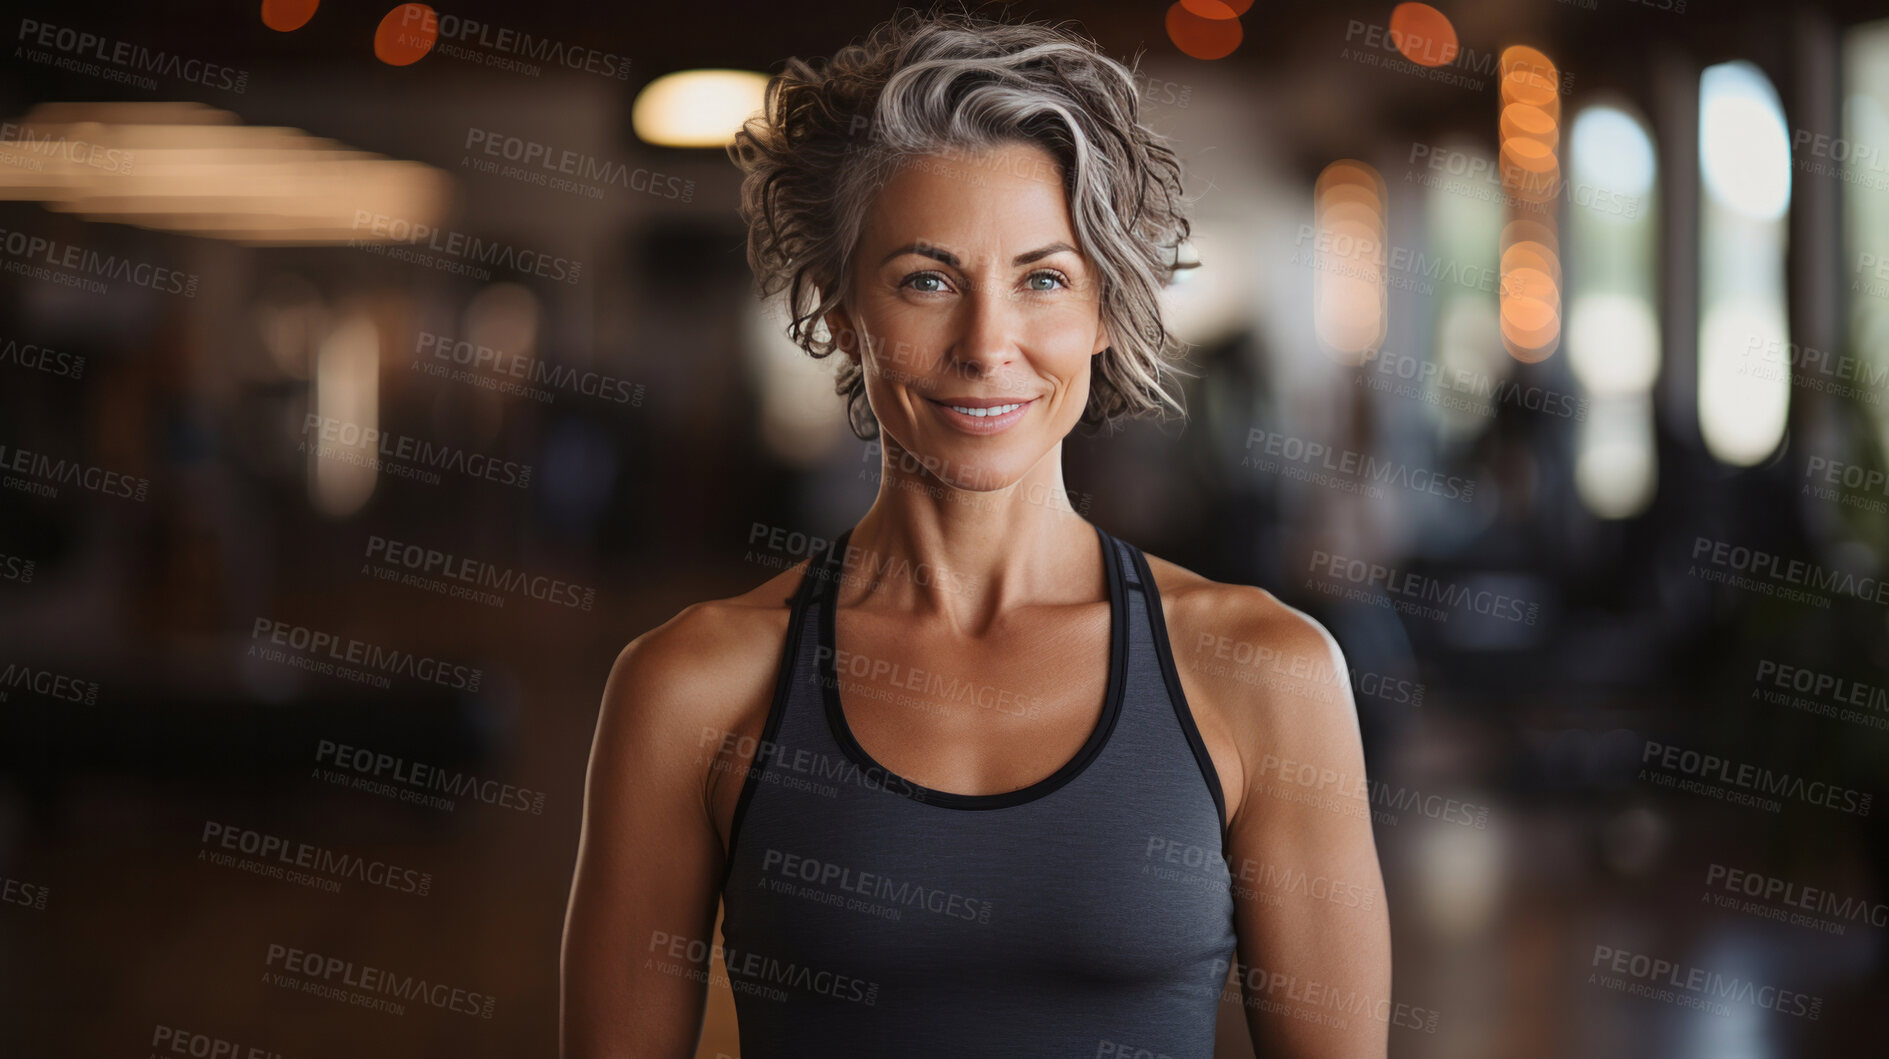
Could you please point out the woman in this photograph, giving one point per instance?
(975, 780)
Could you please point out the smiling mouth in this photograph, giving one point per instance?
(984, 412)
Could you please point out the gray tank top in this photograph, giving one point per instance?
(1089, 913)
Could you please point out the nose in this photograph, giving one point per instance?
(987, 338)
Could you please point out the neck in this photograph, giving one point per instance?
(968, 555)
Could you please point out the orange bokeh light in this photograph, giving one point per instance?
(1217, 9)
(1529, 257)
(1526, 229)
(1342, 173)
(1521, 56)
(1528, 170)
(1423, 34)
(1529, 128)
(1531, 122)
(1201, 37)
(406, 34)
(285, 16)
(1349, 282)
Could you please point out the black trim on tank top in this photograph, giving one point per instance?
(1182, 711)
(1091, 749)
(770, 730)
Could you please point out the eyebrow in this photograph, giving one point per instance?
(933, 252)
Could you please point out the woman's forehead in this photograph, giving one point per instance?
(969, 209)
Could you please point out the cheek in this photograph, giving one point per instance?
(1066, 350)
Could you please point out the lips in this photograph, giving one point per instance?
(983, 410)
(981, 415)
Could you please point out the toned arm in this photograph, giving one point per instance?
(1273, 697)
(640, 924)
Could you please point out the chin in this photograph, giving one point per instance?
(978, 465)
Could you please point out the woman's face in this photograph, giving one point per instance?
(980, 316)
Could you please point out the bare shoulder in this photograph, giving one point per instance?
(1260, 672)
(1212, 620)
(712, 666)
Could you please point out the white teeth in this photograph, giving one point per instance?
(982, 412)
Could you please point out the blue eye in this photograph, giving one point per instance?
(927, 277)
(1049, 274)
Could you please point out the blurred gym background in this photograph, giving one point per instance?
(370, 375)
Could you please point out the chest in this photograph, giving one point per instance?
(1051, 890)
(974, 716)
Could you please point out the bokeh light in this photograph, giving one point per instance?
(406, 34)
(1350, 285)
(1218, 9)
(1202, 37)
(1529, 165)
(286, 16)
(1423, 34)
(696, 108)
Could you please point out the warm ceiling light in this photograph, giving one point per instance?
(1423, 34)
(1204, 29)
(696, 108)
(196, 169)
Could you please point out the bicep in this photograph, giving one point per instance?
(1309, 911)
(639, 927)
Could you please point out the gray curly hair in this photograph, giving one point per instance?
(951, 83)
